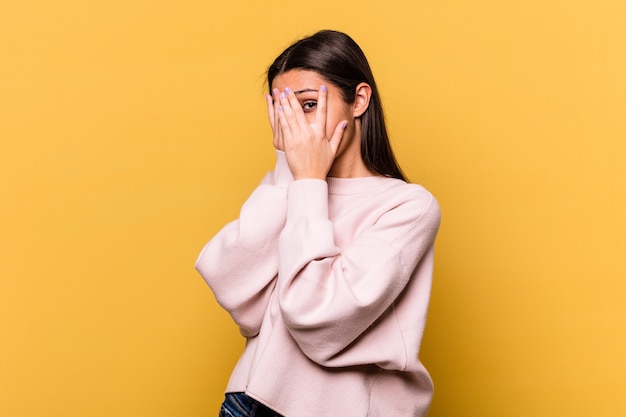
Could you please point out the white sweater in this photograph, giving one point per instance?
(329, 281)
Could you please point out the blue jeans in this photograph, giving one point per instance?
(238, 404)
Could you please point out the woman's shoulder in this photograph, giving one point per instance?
(410, 211)
(385, 196)
(412, 194)
(400, 203)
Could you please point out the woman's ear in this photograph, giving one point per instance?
(362, 99)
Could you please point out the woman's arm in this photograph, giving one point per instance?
(331, 297)
(240, 263)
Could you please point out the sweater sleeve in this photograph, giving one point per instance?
(329, 297)
(240, 263)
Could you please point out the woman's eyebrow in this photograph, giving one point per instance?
(304, 90)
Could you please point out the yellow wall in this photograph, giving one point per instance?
(130, 131)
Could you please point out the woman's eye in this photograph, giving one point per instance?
(308, 106)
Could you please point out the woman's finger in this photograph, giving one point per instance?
(276, 103)
(289, 119)
(278, 137)
(335, 139)
(283, 125)
(320, 114)
(298, 113)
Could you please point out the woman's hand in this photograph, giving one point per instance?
(310, 152)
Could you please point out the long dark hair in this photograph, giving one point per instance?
(337, 57)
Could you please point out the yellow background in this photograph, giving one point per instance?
(131, 131)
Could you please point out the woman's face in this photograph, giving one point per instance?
(306, 85)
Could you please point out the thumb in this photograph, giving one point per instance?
(335, 139)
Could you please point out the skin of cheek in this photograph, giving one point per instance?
(341, 111)
(337, 112)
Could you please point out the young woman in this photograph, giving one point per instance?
(327, 272)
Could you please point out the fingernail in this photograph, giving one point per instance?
(280, 108)
(345, 124)
(287, 90)
(282, 95)
(323, 88)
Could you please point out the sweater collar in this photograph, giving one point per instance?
(345, 186)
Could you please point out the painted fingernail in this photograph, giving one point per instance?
(287, 90)
(345, 124)
(323, 88)
(282, 95)
(280, 108)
